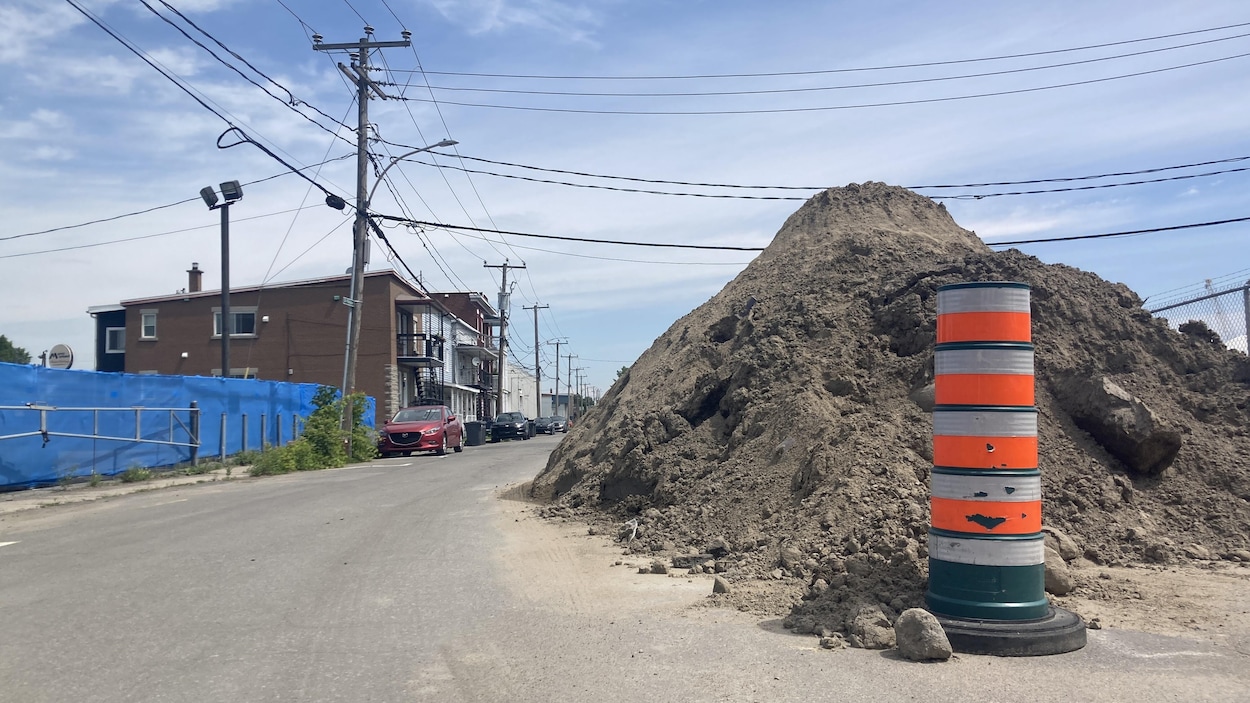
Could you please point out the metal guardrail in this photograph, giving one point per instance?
(191, 428)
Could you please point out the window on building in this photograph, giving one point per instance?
(147, 324)
(115, 340)
(243, 322)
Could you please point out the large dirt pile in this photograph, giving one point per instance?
(783, 426)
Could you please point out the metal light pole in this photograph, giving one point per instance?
(230, 192)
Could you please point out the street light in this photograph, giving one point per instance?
(361, 234)
(401, 157)
(231, 191)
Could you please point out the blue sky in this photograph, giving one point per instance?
(89, 131)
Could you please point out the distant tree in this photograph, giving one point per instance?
(11, 353)
(623, 370)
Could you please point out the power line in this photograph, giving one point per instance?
(159, 207)
(149, 236)
(291, 102)
(439, 225)
(825, 108)
(1120, 234)
(605, 258)
(791, 187)
(723, 196)
(820, 89)
(841, 70)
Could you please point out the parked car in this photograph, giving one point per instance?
(559, 424)
(544, 424)
(511, 425)
(421, 428)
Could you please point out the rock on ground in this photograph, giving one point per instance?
(920, 636)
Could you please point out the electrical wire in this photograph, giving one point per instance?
(791, 187)
(583, 240)
(828, 88)
(926, 64)
(158, 207)
(291, 102)
(825, 108)
(724, 196)
(1120, 234)
(606, 258)
(146, 236)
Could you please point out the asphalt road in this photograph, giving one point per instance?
(411, 579)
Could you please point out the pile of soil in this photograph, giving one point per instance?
(783, 427)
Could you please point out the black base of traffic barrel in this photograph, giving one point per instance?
(1059, 632)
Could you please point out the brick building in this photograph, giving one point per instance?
(414, 346)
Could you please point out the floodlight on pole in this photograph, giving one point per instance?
(232, 192)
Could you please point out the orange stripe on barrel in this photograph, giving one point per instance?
(983, 389)
(983, 327)
(985, 452)
(986, 517)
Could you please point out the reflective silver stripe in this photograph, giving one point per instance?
(984, 423)
(1012, 489)
(988, 552)
(983, 299)
(986, 361)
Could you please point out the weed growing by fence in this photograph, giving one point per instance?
(134, 475)
(323, 444)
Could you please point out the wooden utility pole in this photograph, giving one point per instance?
(555, 397)
(504, 295)
(359, 74)
(538, 374)
(569, 383)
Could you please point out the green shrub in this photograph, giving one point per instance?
(323, 444)
(134, 475)
(245, 458)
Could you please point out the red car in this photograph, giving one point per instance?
(423, 428)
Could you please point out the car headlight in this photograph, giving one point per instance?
(432, 430)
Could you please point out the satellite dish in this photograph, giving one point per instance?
(477, 361)
(61, 357)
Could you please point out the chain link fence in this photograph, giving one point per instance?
(1225, 310)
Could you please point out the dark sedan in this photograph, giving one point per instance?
(512, 425)
(551, 425)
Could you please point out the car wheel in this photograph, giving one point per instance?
(407, 453)
(442, 446)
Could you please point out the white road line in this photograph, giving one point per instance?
(168, 502)
(5, 544)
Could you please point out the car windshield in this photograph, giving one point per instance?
(509, 417)
(416, 415)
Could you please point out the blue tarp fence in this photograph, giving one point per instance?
(157, 408)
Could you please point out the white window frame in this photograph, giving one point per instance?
(108, 339)
(144, 315)
(235, 313)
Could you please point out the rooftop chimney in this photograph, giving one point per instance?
(194, 274)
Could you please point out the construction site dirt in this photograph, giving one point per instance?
(780, 434)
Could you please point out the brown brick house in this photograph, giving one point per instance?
(414, 346)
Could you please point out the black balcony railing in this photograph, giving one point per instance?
(420, 347)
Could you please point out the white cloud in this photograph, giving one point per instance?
(573, 22)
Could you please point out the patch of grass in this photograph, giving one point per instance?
(94, 480)
(135, 475)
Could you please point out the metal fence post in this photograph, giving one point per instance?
(243, 435)
(264, 430)
(277, 426)
(195, 433)
(223, 437)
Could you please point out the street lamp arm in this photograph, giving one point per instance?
(397, 159)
